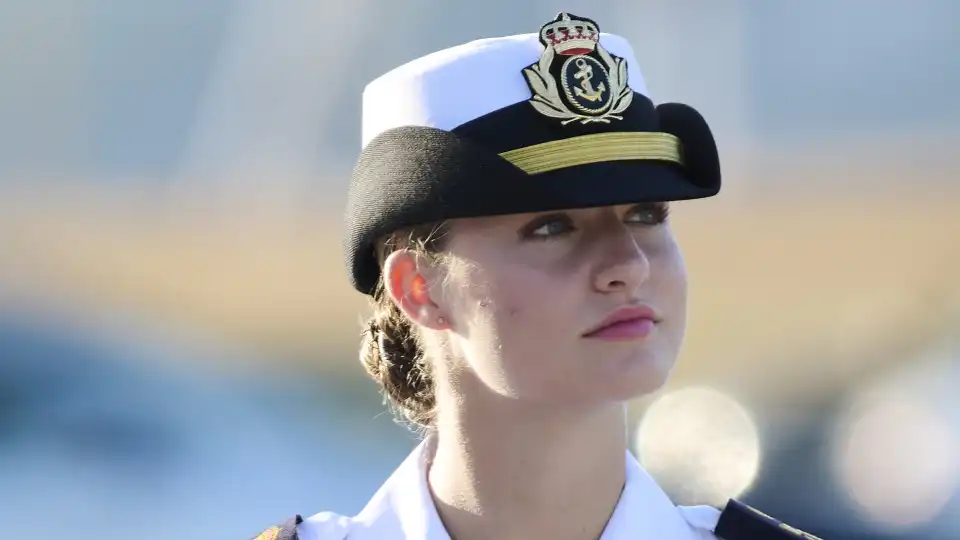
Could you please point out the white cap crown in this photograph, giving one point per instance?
(453, 86)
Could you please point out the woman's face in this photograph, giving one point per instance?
(525, 294)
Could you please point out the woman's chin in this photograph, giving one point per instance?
(635, 377)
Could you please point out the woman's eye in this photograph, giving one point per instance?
(548, 227)
(647, 215)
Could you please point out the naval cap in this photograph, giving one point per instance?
(557, 119)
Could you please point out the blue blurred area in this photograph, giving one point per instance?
(135, 88)
(128, 437)
(147, 71)
(852, 68)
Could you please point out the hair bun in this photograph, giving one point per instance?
(392, 356)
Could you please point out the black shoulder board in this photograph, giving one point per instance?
(739, 521)
(286, 531)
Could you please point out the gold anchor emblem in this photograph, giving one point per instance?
(585, 75)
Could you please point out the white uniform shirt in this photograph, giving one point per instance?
(402, 509)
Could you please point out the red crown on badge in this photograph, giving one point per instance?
(571, 36)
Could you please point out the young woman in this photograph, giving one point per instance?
(508, 217)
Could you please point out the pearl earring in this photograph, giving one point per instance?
(441, 320)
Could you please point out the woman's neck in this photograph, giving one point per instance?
(528, 474)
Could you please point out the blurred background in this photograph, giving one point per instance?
(178, 337)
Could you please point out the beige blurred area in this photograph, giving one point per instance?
(779, 285)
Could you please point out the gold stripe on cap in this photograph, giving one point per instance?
(596, 148)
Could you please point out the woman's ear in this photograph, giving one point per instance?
(407, 286)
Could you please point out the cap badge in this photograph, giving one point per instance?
(593, 82)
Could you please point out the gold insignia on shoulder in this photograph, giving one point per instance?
(594, 82)
(799, 533)
(270, 534)
(793, 530)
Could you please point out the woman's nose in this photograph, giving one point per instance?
(626, 266)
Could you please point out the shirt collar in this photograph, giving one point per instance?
(404, 501)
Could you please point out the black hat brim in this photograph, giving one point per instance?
(413, 175)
